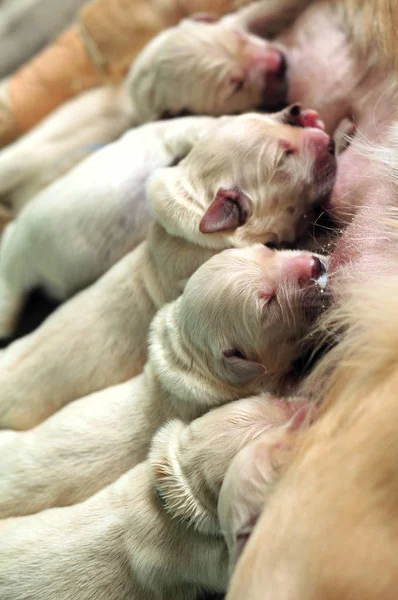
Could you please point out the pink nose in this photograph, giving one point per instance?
(319, 141)
(304, 269)
(269, 60)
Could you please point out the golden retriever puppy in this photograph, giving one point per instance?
(328, 509)
(328, 529)
(205, 204)
(235, 331)
(154, 533)
(221, 67)
(326, 59)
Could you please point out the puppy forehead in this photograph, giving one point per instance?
(232, 274)
(251, 130)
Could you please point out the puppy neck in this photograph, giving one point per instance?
(182, 371)
(179, 205)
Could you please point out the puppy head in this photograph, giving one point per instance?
(244, 312)
(249, 179)
(206, 68)
(251, 476)
(189, 462)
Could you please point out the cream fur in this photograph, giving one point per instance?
(107, 324)
(223, 339)
(79, 227)
(336, 505)
(123, 543)
(328, 527)
(330, 56)
(63, 139)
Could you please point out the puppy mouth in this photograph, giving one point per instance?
(314, 298)
(275, 88)
(319, 273)
(324, 180)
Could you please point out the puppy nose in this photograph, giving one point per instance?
(304, 269)
(332, 147)
(318, 140)
(318, 268)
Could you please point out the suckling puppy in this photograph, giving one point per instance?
(326, 59)
(154, 533)
(250, 478)
(248, 180)
(206, 74)
(328, 528)
(235, 331)
(87, 220)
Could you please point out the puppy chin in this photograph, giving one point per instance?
(274, 100)
(276, 88)
(317, 299)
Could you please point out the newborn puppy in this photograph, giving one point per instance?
(154, 533)
(251, 475)
(206, 203)
(59, 142)
(328, 527)
(240, 73)
(326, 59)
(235, 331)
(91, 217)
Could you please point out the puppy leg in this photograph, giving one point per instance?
(118, 545)
(76, 452)
(60, 141)
(16, 278)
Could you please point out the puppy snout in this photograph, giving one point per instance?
(270, 61)
(324, 151)
(268, 71)
(332, 147)
(318, 268)
(305, 269)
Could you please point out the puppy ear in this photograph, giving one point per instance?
(230, 209)
(239, 370)
(253, 470)
(244, 490)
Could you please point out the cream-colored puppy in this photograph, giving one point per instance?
(154, 533)
(325, 59)
(225, 85)
(72, 132)
(80, 226)
(248, 180)
(235, 331)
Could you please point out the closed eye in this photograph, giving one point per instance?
(238, 84)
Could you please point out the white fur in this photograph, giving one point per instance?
(80, 226)
(98, 339)
(123, 543)
(89, 443)
(64, 138)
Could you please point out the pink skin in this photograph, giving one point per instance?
(268, 61)
(304, 269)
(325, 72)
(365, 251)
